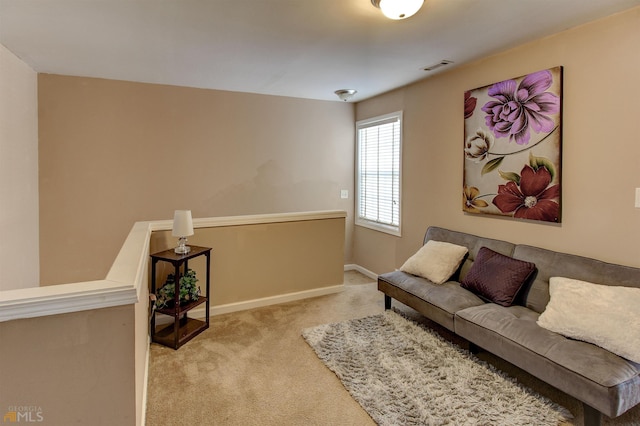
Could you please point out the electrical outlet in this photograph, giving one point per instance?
(345, 194)
(638, 197)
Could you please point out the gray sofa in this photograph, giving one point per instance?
(606, 383)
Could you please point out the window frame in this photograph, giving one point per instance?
(363, 221)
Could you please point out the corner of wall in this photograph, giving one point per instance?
(19, 214)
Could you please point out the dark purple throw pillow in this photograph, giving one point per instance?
(496, 277)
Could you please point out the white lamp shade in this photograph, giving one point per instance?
(400, 9)
(182, 223)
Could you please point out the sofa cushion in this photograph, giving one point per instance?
(591, 374)
(519, 324)
(496, 277)
(436, 260)
(600, 314)
(437, 302)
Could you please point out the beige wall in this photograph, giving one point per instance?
(114, 152)
(78, 368)
(19, 262)
(601, 149)
(259, 261)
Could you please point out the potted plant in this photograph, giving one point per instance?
(189, 291)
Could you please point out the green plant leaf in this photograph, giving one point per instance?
(513, 177)
(537, 162)
(491, 165)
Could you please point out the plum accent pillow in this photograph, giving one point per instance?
(436, 261)
(496, 277)
(604, 315)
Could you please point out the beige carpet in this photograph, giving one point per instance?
(254, 368)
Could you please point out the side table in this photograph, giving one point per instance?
(183, 328)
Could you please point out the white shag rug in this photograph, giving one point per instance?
(404, 374)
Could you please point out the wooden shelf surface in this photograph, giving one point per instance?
(173, 312)
(189, 328)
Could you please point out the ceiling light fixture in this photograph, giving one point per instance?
(345, 94)
(398, 9)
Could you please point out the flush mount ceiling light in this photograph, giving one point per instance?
(398, 9)
(345, 94)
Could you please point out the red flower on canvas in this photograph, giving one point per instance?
(469, 104)
(532, 198)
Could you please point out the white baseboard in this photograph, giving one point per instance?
(255, 303)
(272, 300)
(363, 271)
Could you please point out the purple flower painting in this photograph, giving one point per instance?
(512, 147)
(516, 108)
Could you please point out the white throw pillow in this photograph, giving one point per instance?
(604, 315)
(435, 261)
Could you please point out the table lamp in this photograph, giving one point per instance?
(182, 228)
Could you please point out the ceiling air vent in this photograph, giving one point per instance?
(442, 63)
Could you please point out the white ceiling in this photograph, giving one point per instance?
(299, 48)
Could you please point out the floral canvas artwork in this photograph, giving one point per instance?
(513, 147)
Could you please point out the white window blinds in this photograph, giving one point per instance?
(378, 175)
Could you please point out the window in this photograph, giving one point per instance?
(378, 146)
